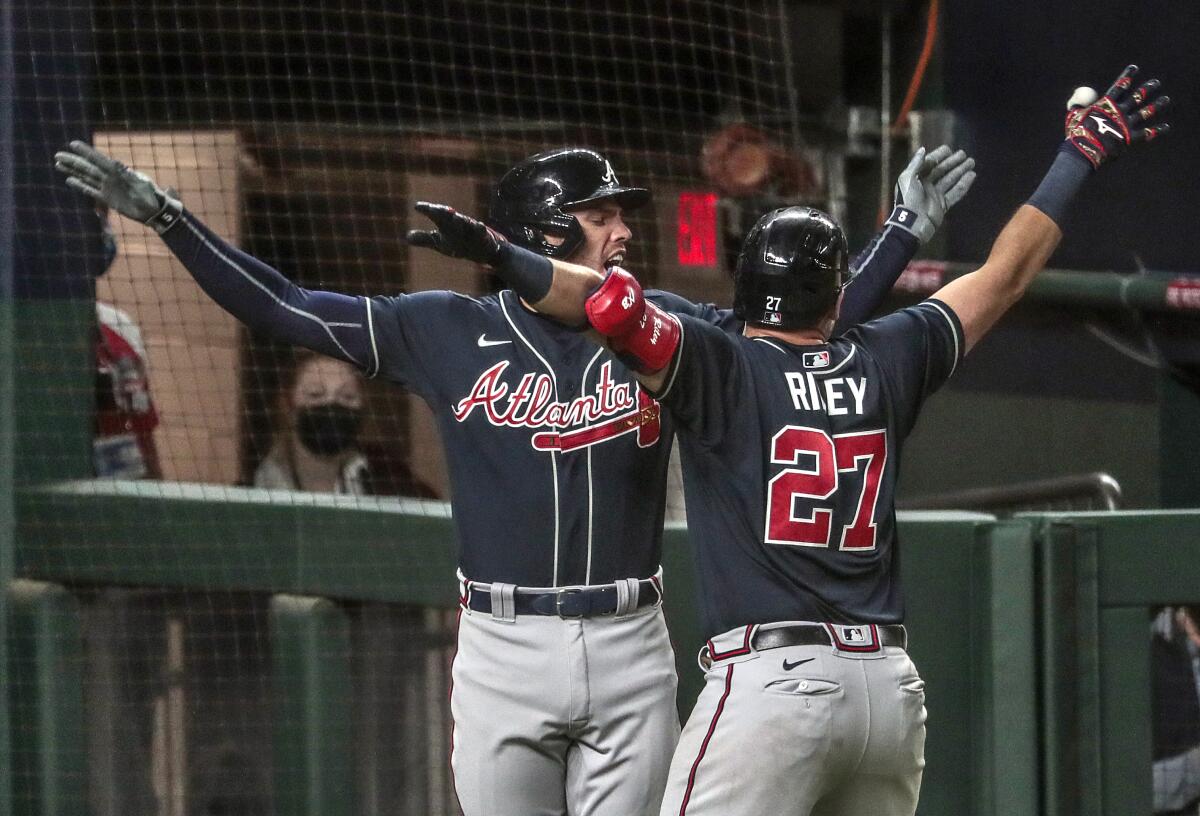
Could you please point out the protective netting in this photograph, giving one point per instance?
(183, 600)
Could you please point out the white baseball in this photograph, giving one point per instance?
(1083, 97)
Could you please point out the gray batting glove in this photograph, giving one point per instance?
(929, 186)
(129, 192)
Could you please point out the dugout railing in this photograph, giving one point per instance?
(1032, 634)
(1076, 492)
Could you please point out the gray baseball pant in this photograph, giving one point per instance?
(563, 717)
(801, 731)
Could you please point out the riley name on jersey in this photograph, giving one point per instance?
(836, 396)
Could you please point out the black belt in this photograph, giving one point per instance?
(814, 634)
(573, 602)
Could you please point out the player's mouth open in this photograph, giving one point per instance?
(615, 260)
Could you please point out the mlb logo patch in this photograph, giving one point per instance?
(773, 317)
(854, 638)
(816, 359)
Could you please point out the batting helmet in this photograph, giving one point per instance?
(792, 267)
(535, 198)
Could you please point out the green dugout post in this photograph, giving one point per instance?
(46, 693)
(314, 740)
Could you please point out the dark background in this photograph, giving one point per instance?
(1010, 66)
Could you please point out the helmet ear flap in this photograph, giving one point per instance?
(533, 237)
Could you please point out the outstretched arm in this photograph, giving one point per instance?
(925, 191)
(1095, 135)
(253, 292)
(638, 331)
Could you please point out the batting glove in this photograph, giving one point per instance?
(457, 235)
(928, 187)
(132, 194)
(1100, 129)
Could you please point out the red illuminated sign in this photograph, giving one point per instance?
(697, 230)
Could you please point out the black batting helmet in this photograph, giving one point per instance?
(792, 267)
(535, 198)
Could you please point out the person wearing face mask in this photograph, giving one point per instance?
(316, 444)
(123, 444)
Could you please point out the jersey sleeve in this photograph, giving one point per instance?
(702, 379)
(917, 349)
(260, 297)
(878, 266)
(408, 335)
(709, 313)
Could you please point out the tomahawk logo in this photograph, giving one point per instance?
(1104, 127)
(613, 410)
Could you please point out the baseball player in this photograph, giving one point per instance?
(791, 442)
(564, 683)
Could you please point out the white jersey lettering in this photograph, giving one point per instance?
(806, 393)
(531, 403)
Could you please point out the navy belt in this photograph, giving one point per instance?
(572, 602)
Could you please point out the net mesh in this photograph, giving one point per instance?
(301, 133)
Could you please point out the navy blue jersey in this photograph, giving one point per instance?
(790, 457)
(550, 443)
(557, 460)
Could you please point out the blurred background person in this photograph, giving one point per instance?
(1175, 672)
(125, 418)
(317, 443)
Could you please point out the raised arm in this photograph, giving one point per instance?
(253, 292)
(925, 191)
(637, 330)
(1096, 134)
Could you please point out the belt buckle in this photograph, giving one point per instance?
(558, 602)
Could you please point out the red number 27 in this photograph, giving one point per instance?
(799, 510)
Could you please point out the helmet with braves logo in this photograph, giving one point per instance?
(535, 198)
(792, 267)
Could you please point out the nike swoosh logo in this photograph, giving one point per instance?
(789, 666)
(483, 342)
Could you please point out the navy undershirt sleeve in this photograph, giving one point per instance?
(879, 265)
(266, 301)
(1062, 182)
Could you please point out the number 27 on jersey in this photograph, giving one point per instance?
(804, 497)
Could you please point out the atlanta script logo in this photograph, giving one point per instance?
(614, 410)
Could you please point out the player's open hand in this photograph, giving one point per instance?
(928, 187)
(127, 191)
(1101, 129)
(457, 235)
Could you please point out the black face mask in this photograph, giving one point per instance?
(329, 429)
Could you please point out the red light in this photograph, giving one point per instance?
(697, 232)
